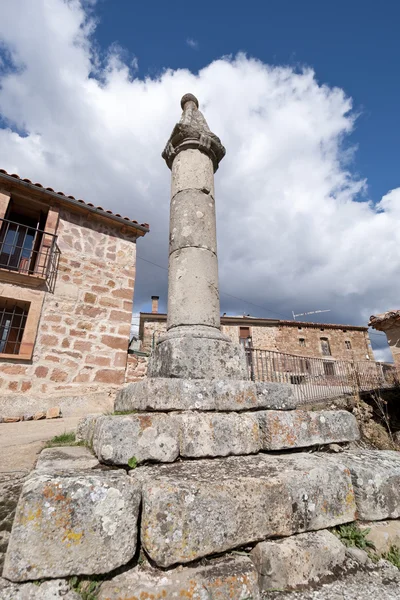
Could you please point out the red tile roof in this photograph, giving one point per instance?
(100, 209)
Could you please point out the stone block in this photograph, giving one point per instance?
(39, 416)
(225, 579)
(218, 434)
(85, 429)
(281, 430)
(201, 507)
(298, 560)
(46, 590)
(383, 534)
(145, 436)
(376, 481)
(53, 413)
(66, 458)
(163, 394)
(198, 358)
(73, 525)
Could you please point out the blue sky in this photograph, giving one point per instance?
(352, 44)
(304, 95)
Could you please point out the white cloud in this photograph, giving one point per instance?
(293, 234)
(194, 44)
(383, 355)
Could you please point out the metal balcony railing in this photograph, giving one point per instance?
(28, 250)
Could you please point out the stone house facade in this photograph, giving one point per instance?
(328, 341)
(67, 275)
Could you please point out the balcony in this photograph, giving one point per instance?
(27, 254)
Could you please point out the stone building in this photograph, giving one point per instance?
(67, 274)
(344, 342)
(389, 322)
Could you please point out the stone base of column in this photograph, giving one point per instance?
(198, 358)
(223, 395)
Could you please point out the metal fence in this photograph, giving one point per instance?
(319, 378)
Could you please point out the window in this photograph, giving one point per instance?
(299, 328)
(348, 344)
(245, 337)
(329, 368)
(322, 329)
(13, 315)
(302, 342)
(325, 347)
(21, 236)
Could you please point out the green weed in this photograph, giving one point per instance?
(352, 536)
(132, 462)
(393, 556)
(65, 439)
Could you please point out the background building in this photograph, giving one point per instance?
(67, 275)
(345, 342)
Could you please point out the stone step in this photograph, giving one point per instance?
(162, 437)
(162, 394)
(197, 508)
(73, 524)
(376, 480)
(298, 560)
(233, 577)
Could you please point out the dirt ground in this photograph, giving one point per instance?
(21, 442)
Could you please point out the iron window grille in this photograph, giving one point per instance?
(13, 315)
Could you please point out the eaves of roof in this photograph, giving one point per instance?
(8, 179)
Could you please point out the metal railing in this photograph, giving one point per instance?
(319, 378)
(28, 250)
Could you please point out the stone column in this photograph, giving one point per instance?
(194, 346)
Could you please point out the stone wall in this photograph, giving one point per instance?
(136, 368)
(83, 332)
(151, 332)
(285, 337)
(288, 340)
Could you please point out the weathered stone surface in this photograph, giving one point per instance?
(193, 509)
(66, 458)
(198, 358)
(47, 590)
(376, 480)
(73, 524)
(282, 430)
(145, 436)
(162, 394)
(230, 578)
(189, 208)
(53, 413)
(322, 494)
(39, 415)
(218, 434)
(383, 534)
(297, 560)
(85, 428)
(10, 489)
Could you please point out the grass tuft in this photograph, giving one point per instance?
(353, 537)
(393, 556)
(64, 439)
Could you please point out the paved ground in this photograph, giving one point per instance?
(21, 442)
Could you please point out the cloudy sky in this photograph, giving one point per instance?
(308, 196)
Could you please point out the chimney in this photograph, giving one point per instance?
(154, 304)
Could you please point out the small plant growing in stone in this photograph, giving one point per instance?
(65, 439)
(393, 556)
(132, 462)
(352, 536)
